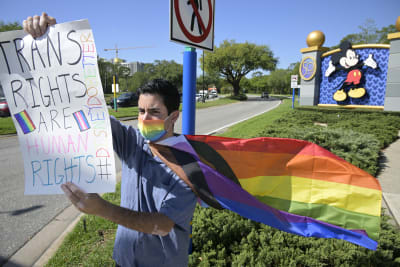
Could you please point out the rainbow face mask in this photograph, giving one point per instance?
(152, 130)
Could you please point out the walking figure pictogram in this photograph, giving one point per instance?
(198, 7)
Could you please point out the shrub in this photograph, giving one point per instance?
(240, 97)
(223, 238)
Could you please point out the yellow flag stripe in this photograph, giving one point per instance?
(348, 197)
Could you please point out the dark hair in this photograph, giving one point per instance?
(168, 92)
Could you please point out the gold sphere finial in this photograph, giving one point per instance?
(398, 24)
(315, 38)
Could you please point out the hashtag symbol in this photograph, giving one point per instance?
(104, 169)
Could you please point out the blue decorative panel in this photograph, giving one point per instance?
(375, 79)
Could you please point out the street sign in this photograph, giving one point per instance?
(192, 23)
(293, 81)
(113, 88)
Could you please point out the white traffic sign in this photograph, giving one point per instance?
(192, 23)
(113, 88)
(293, 81)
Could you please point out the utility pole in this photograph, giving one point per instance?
(115, 77)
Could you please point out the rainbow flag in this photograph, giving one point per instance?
(292, 185)
(81, 120)
(25, 122)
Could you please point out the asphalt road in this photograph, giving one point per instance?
(22, 216)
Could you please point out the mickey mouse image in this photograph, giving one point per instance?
(348, 60)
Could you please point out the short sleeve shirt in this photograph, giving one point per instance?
(148, 185)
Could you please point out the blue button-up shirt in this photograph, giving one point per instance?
(148, 185)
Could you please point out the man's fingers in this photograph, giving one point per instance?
(28, 26)
(75, 189)
(72, 197)
(50, 20)
(45, 22)
(35, 26)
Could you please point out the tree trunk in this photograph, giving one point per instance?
(236, 87)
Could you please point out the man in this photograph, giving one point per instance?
(156, 205)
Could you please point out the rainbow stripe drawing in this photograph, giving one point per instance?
(25, 122)
(292, 185)
(81, 120)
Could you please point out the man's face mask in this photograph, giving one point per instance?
(152, 130)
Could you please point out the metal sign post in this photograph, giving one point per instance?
(294, 85)
(189, 91)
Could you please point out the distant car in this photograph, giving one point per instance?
(128, 99)
(264, 95)
(4, 110)
(213, 94)
(200, 98)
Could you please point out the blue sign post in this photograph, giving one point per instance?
(293, 90)
(189, 91)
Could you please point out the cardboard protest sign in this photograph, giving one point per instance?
(53, 89)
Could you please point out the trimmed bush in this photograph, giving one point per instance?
(223, 238)
(240, 97)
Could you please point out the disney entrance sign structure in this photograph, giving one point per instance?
(366, 75)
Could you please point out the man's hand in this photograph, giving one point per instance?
(37, 25)
(87, 203)
(147, 222)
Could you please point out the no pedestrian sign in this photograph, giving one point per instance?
(192, 23)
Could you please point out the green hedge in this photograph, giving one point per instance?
(240, 97)
(223, 238)
(355, 136)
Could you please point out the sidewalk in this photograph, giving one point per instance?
(43, 245)
(389, 179)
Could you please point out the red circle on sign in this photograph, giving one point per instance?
(196, 39)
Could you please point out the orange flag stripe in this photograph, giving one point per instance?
(246, 164)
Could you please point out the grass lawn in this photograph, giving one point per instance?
(124, 112)
(252, 127)
(7, 126)
(91, 241)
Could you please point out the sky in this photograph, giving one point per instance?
(282, 25)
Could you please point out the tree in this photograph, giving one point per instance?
(369, 34)
(234, 60)
(259, 82)
(383, 33)
(107, 70)
(106, 74)
(9, 26)
(169, 70)
(138, 79)
(211, 79)
(279, 81)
